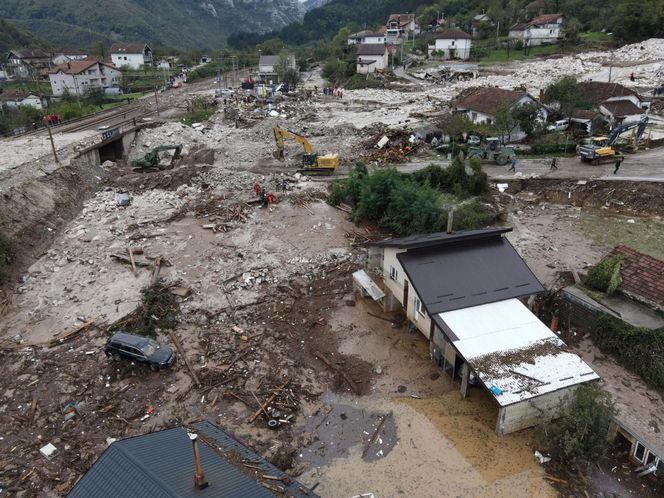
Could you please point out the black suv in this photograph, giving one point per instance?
(139, 349)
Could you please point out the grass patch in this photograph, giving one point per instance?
(501, 54)
(159, 309)
(198, 110)
(36, 87)
(645, 235)
(594, 37)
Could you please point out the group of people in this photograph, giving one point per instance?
(554, 164)
(265, 197)
(334, 91)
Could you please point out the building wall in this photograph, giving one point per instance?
(132, 61)
(460, 46)
(529, 413)
(79, 84)
(33, 101)
(380, 62)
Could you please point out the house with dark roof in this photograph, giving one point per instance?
(371, 57)
(480, 105)
(452, 44)
(27, 63)
(366, 36)
(586, 121)
(401, 26)
(269, 70)
(544, 29)
(79, 77)
(131, 55)
(17, 98)
(163, 465)
(465, 292)
(616, 102)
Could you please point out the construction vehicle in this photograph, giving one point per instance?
(600, 149)
(312, 162)
(491, 149)
(151, 160)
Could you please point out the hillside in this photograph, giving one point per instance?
(176, 23)
(11, 36)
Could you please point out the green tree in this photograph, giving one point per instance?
(506, 124)
(580, 435)
(567, 94)
(636, 20)
(292, 78)
(527, 118)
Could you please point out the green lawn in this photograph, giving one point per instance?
(42, 87)
(501, 55)
(594, 37)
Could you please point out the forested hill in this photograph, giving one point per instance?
(325, 21)
(12, 37)
(168, 23)
(629, 20)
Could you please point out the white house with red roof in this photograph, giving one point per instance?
(131, 55)
(79, 77)
(541, 30)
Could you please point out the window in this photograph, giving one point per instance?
(639, 452)
(394, 274)
(452, 43)
(418, 307)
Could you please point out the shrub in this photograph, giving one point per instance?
(580, 435)
(158, 309)
(605, 275)
(5, 255)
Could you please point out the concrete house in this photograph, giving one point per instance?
(544, 29)
(268, 70)
(78, 77)
(370, 37)
(371, 57)
(27, 63)
(616, 102)
(463, 292)
(64, 55)
(452, 43)
(129, 468)
(401, 26)
(480, 105)
(131, 55)
(17, 98)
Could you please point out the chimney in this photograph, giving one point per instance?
(199, 476)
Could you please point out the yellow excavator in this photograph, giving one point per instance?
(312, 162)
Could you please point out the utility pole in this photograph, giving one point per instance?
(156, 99)
(50, 137)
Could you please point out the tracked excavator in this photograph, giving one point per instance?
(600, 149)
(151, 160)
(312, 162)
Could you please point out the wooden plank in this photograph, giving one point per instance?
(180, 349)
(133, 261)
(348, 380)
(263, 407)
(65, 335)
(155, 271)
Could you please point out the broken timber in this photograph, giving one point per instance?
(375, 434)
(180, 349)
(353, 385)
(263, 407)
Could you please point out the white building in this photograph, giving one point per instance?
(268, 67)
(131, 55)
(371, 57)
(65, 55)
(370, 37)
(462, 291)
(27, 63)
(17, 98)
(452, 44)
(78, 77)
(482, 105)
(541, 30)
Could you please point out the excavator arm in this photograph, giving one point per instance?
(280, 135)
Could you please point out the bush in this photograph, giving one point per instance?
(605, 275)
(580, 435)
(5, 255)
(158, 309)
(638, 349)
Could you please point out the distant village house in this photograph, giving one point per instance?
(64, 55)
(452, 44)
(371, 58)
(401, 26)
(365, 36)
(27, 63)
(79, 77)
(131, 55)
(17, 98)
(544, 29)
(268, 67)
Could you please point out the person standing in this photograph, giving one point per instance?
(618, 163)
(513, 166)
(553, 164)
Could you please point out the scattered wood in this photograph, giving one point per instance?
(180, 349)
(133, 261)
(353, 385)
(389, 320)
(276, 489)
(264, 406)
(125, 259)
(182, 292)
(66, 335)
(375, 434)
(155, 271)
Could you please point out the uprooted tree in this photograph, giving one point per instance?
(581, 435)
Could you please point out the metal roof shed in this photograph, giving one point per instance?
(524, 366)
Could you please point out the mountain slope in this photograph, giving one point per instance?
(176, 23)
(12, 37)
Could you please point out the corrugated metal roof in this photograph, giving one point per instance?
(468, 273)
(161, 465)
(512, 350)
(368, 285)
(440, 238)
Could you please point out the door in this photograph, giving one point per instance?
(405, 295)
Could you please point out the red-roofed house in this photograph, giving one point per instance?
(547, 28)
(400, 25)
(16, 98)
(131, 55)
(79, 77)
(452, 43)
(642, 276)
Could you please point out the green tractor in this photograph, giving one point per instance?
(151, 160)
(491, 150)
